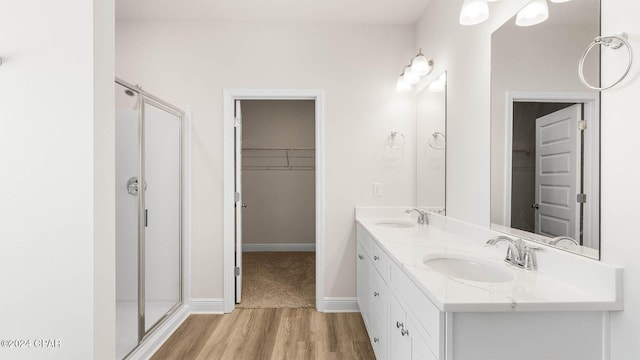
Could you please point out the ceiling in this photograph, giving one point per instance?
(314, 11)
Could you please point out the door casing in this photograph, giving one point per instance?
(229, 98)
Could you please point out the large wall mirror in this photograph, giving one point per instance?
(545, 124)
(431, 123)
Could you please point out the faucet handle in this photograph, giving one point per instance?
(529, 261)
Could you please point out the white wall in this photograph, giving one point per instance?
(56, 188)
(190, 63)
(280, 203)
(465, 53)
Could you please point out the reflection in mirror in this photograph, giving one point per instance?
(545, 149)
(431, 116)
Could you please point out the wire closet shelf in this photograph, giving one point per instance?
(278, 159)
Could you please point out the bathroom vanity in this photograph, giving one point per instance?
(438, 291)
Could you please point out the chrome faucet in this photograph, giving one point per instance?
(423, 219)
(518, 254)
(557, 239)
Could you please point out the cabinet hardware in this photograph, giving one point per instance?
(376, 339)
(360, 257)
(375, 293)
(404, 332)
(375, 258)
(399, 325)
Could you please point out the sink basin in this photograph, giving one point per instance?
(395, 223)
(468, 268)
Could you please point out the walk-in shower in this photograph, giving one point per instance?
(148, 214)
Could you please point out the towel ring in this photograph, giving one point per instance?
(432, 141)
(396, 140)
(613, 42)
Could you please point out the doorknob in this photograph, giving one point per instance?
(535, 206)
(244, 204)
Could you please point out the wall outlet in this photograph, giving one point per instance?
(377, 189)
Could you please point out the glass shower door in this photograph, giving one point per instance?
(127, 155)
(162, 232)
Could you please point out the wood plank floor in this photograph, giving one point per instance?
(263, 334)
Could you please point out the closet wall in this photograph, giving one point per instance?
(278, 175)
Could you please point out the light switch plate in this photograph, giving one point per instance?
(377, 189)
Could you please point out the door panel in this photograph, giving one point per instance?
(238, 203)
(558, 173)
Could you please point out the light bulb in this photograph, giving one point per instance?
(474, 12)
(401, 85)
(410, 77)
(420, 65)
(534, 13)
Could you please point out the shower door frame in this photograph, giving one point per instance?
(147, 98)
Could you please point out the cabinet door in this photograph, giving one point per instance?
(364, 285)
(399, 343)
(380, 315)
(419, 348)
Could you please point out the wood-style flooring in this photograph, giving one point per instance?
(263, 334)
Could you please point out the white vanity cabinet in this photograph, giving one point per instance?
(395, 333)
(536, 317)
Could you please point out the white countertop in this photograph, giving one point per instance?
(529, 291)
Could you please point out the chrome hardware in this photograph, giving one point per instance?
(612, 42)
(404, 332)
(535, 206)
(581, 198)
(518, 254)
(375, 293)
(376, 258)
(557, 239)
(132, 186)
(376, 339)
(399, 325)
(423, 219)
(360, 257)
(244, 204)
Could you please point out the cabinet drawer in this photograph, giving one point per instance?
(427, 315)
(380, 261)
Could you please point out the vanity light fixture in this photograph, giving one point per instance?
(401, 85)
(420, 66)
(474, 12)
(534, 13)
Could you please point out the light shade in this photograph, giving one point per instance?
(401, 85)
(410, 77)
(420, 65)
(474, 12)
(534, 13)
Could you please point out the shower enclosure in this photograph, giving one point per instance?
(148, 214)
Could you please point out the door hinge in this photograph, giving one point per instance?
(236, 121)
(582, 125)
(582, 198)
(236, 271)
(236, 196)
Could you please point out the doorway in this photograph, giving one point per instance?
(548, 154)
(277, 160)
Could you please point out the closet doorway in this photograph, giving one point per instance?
(275, 171)
(274, 223)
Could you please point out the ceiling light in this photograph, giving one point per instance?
(534, 13)
(474, 12)
(420, 65)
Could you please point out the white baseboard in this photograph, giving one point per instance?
(340, 304)
(278, 247)
(155, 340)
(207, 306)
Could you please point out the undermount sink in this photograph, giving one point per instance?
(395, 223)
(468, 268)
